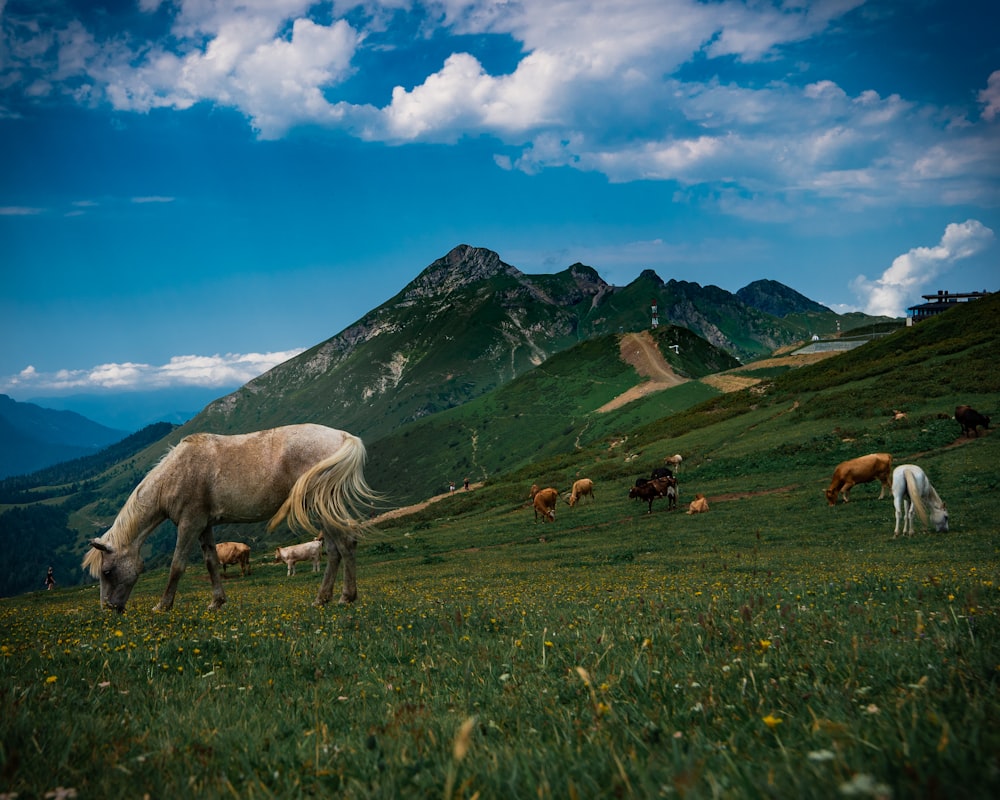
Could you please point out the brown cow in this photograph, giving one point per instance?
(545, 504)
(650, 490)
(234, 553)
(581, 488)
(874, 466)
(970, 420)
(699, 505)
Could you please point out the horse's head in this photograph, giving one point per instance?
(118, 571)
(940, 519)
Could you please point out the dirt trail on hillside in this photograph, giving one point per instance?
(639, 350)
(402, 512)
(732, 381)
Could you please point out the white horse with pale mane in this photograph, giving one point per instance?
(912, 491)
(311, 475)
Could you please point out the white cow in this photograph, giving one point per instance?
(310, 551)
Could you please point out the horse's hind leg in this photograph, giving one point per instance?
(339, 547)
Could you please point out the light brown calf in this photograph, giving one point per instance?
(545, 504)
(581, 488)
(234, 553)
(699, 505)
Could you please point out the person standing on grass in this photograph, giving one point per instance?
(50, 579)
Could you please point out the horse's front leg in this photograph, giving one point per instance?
(212, 564)
(185, 535)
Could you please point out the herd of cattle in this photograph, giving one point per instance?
(661, 483)
(909, 486)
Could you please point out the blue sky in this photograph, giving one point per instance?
(193, 191)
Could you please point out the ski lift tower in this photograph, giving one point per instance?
(656, 317)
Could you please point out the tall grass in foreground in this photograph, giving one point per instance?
(611, 654)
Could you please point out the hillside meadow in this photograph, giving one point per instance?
(773, 647)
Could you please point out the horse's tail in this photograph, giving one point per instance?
(916, 495)
(329, 495)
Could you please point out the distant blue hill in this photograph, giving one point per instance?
(32, 437)
(131, 411)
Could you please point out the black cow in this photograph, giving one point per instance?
(970, 420)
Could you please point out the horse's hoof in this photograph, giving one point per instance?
(319, 602)
(345, 600)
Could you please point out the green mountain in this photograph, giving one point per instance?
(777, 299)
(468, 324)
(551, 411)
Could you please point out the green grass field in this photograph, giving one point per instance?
(772, 647)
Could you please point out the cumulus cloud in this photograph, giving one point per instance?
(229, 370)
(593, 89)
(912, 273)
(990, 97)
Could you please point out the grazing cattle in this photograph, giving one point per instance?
(912, 491)
(898, 415)
(234, 553)
(699, 505)
(875, 466)
(309, 551)
(545, 504)
(674, 461)
(581, 488)
(662, 472)
(970, 420)
(650, 490)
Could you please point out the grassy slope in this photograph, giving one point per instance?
(547, 412)
(772, 647)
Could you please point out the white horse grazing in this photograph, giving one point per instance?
(912, 491)
(310, 474)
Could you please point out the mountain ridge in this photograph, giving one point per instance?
(468, 323)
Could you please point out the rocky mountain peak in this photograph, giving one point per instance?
(650, 275)
(462, 266)
(777, 299)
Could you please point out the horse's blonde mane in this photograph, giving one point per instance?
(127, 525)
(917, 497)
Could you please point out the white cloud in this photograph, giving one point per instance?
(912, 273)
(19, 211)
(595, 89)
(229, 370)
(990, 97)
